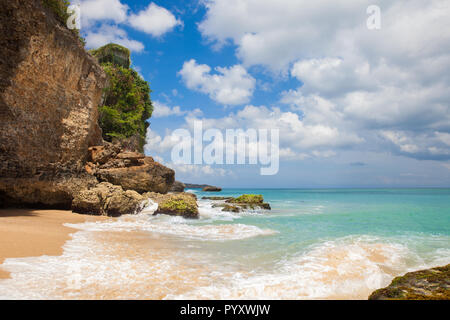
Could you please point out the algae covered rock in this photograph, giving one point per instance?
(250, 201)
(181, 204)
(430, 284)
(248, 198)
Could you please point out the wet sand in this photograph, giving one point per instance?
(32, 233)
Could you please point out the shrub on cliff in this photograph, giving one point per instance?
(59, 7)
(127, 105)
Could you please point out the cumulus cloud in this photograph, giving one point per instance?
(300, 138)
(228, 86)
(103, 10)
(97, 37)
(161, 110)
(102, 22)
(154, 20)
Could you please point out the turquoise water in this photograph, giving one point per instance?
(304, 216)
(313, 244)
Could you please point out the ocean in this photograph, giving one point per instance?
(313, 244)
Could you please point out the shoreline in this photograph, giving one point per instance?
(33, 233)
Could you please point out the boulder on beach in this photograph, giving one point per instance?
(177, 187)
(106, 199)
(429, 284)
(178, 204)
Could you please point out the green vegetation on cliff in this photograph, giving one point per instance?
(127, 105)
(249, 198)
(59, 8)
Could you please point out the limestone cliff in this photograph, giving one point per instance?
(50, 88)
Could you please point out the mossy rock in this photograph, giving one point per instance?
(430, 284)
(113, 53)
(178, 205)
(248, 198)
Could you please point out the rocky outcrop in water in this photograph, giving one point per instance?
(49, 92)
(249, 201)
(106, 199)
(177, 204)
(244, 202)
(430, 284)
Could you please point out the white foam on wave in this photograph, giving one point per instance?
(178, 226)
(120, 265)
(349, 268)
(104, 266)
(207, 211)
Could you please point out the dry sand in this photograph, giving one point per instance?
(32, 233)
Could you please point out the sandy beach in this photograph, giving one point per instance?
(31, 233)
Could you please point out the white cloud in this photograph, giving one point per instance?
(229, 86)
(102, 22)
(154, 20)
(105, 34)
(276, 33)
(298, 137)
(193, 171)
(102, 10)
(161, 110)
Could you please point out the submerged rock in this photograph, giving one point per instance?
(230, 208)
(179, 204)
(430, 284)
(107, 200)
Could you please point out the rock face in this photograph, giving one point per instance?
(179, 204)
(430, 284)
(108, 200)
(49, 92)
(130, 170)
(178, 187)
(211, 189)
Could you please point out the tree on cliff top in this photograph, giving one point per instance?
(127, 105)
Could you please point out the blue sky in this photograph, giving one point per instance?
(355, 107)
